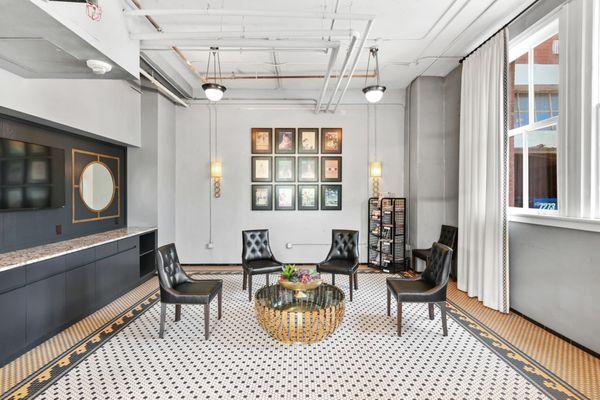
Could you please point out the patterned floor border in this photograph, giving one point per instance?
(550, 384)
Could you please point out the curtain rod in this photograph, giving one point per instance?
(499, 30)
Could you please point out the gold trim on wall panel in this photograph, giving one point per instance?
(76, 187)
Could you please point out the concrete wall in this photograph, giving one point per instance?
(432, 140)
(151, 169)
(554, 279)
(309, 231)
(103, 109)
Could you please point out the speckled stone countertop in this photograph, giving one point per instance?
(31, 255)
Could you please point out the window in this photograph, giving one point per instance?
(533, 120)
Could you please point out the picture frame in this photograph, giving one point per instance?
(285, 169)
(331, 140)
(308, 197)
(308, 169)
(285, 140)
(331, 169)
(308, 140)
(285, 197)
(262, 197)
(262, 140)
(262, 169)
(331, 197)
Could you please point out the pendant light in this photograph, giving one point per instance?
(373, 93)
(212, 89)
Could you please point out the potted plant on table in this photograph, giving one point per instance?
(299, 280)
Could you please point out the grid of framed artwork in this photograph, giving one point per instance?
(296, 169)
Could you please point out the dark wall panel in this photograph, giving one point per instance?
(21, 229)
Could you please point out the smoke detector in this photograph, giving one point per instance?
(99, 67)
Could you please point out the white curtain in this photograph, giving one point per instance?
(482, 223)
(579, 135)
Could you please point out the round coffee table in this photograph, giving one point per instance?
(306, 320)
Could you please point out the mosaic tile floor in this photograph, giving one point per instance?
(363, 359)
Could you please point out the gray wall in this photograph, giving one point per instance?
(151, 169)
(432, 149)
(555, 279)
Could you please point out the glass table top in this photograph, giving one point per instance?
(278, 298)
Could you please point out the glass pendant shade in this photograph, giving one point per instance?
(374, 93)
(213, 91)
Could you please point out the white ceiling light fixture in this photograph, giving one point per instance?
(212, 89)
(373, 93)
(99, 67)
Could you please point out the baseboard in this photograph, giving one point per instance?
(552, 331)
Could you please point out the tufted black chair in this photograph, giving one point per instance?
(449, 237)
(430, 287)
(176, 287)
(257, 257)
(343, 257)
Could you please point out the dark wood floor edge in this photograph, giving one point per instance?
(557, 334)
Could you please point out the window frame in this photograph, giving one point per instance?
(525, 44)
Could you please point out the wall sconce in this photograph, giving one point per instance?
(375, 172)
(216, 173)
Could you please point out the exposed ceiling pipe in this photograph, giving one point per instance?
(276, 68)
(211, 12)
(246, 50)
(354, 64)
(260, 77)
(161, 88)
(239, 34)
(332, 60)
(271, 44)
(344, 68)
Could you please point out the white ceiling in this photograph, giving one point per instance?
(415, 37)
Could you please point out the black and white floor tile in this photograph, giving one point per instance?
(363, 359)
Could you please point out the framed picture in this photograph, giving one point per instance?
(308, 169)
(331, 169)
(308, 140)
(331, 197)
(285, 140)
(262, 197)
(308, 197)
(285, 169)
(285, 197)
(331, 140)
(262, 140)
(262, 169)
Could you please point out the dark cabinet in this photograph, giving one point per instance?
(13, 329)
(45, 307)
(81, 292)
(115, 274)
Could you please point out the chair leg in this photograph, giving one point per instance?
(333, 279)
(244, 279)
(389, 300)
(249, 287)
(351, 285)
(267, 279)
(206, 320)
(356, 280)
(444, 323)
(431, 311)
(219, 304)
(177, 312)
(163, 314)
(399, 319)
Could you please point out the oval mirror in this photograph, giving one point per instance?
(97, 186)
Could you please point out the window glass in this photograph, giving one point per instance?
(545, 78)
(541, 149)
(518, 92)
(515, 178)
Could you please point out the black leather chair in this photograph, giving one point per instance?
(257, 257)
(176, 287)
(449, 237)
(343, 257)
(430, 287)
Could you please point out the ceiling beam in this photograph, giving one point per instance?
(250, 13)
(187, 44)
(238, 34)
